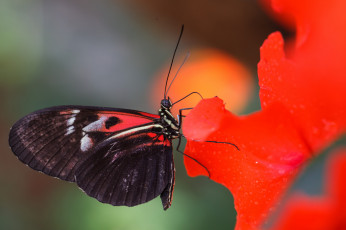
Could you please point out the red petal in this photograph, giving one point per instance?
(311, 83)
(271, 151)
(324, 212)
(305, 213)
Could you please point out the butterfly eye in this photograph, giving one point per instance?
(166, 103)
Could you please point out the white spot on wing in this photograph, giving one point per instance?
(86, 143)
(96, 125)
(71, 120)
(69, 130)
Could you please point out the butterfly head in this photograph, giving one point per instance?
(166, 103)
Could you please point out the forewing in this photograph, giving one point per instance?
(130, 168)
(57, 139)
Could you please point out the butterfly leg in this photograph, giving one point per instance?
(191, 157)
(219, 142)
(180, 116)
(187, 97)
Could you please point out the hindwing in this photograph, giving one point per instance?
(130, 168)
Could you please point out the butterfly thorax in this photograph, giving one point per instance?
(170, 124)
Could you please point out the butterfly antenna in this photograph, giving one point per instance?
(186, 57)
(170, 67)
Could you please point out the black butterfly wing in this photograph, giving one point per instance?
(130, 168)
(55, 140)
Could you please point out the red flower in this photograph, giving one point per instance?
(326, 212)
(303, 100)
(271, 151)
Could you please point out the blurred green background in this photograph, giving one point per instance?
(106, 53)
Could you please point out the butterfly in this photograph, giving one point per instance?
(118, 156)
